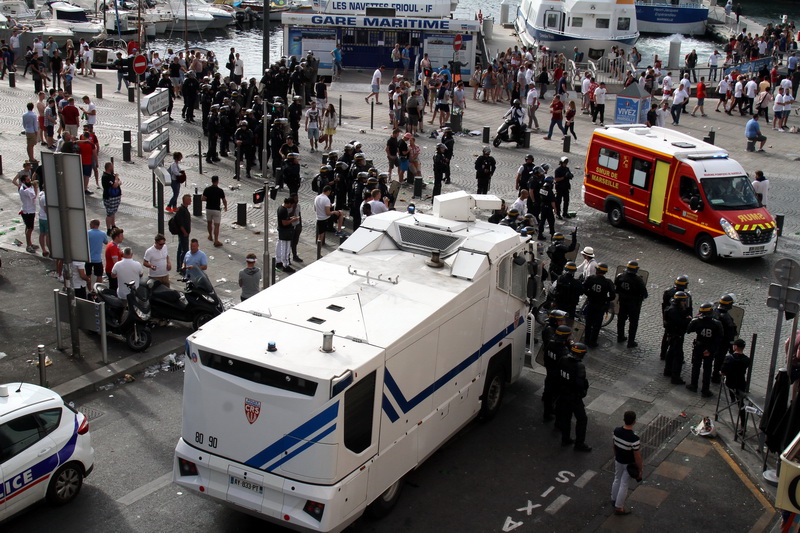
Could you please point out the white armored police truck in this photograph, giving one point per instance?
(307, 404)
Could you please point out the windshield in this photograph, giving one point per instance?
(200, 280)
(729, 194)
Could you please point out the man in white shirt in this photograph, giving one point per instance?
(585, 84)
(125, 271)
(521, 203)
(376, 204)
(324, 214)
(376, 85)
(156, 260)
(738, 96)
(27, 197)
(532, 101)
(686, 84)
(522, 79)
(761, 187)
(723, 88)
(713, 62)
(679, 99)
(666, 87)
(661, 114)
(777, 108)
(750, 90)
(788, 100)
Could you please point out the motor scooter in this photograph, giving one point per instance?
(127, 318)
(510, 131)
(197, 303)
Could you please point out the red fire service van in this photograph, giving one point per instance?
(677, 186)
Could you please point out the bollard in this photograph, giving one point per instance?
(197, 204)
(12, 80)
(528, 134)
(567, 140)
(241, 214)
(372, 116)
(1, 165)
(274, 262)
(418, 183)
(486, 134)
(779, 219)
(712, 135)
(126, 135)
(340, 109)
(200, 155)
(126, 151)
(42, 365)
(131, 94)
(98, 89)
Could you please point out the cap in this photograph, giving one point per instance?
(407, 136)
(588, 251)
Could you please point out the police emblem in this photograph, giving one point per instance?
(252, 408)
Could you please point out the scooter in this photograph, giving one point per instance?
(197, 303)
(510, 131)
(128, 318)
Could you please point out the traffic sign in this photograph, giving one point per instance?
(154, 123)
(787, 271)
(139, 64)
(156, 157)
(155, 102)
(155, 140)
(457, 42)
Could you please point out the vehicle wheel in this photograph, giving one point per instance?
(384, 503)
(493, 392)
(200, 319)
(139, 338)
(706, 249)
(496, 141)
(615, 216)
(65, 484)
(608, 317)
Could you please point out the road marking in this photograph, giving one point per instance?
(564, 475)
(145, 490)
(584, 479)
(557, 504)
(746, 480)
(529, 508)
(510, 525)
(548, 491)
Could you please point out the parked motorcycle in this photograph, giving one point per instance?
(510, 131)
(127, 318)
(197, 303)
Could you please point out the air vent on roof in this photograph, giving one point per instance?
(316, 320)
(334, 307)
(682, 144)
(426, 239)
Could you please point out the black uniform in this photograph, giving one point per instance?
(729, 331)
(568, 292)
(709, 333)
(557, 252)
(276, 140)
(676, 320)
(632, 292)
(573, 387)
(600, 293)
(547, 198)
(295, 116)
(535, 181)
(735, 369)
(213, 135)
(554, 352)
(291, 177)
(245, 150)
(563, 178)
(449, 142)
(485, 166)
(190, 90)
(666, 301)
(441, 169)
(206, 100)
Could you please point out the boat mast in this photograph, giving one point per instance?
(186, 24)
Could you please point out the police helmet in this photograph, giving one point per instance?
(324, 169)
(680, 296)
(706, 309)
(546, 167)
(601, 268)
(557, 314)
(548, 180)
(225, 108)
(578, 350)
(487, 150)
(383, 176)
(333, 153)
(277, 99)
(529, 217)
(564, 159)
(563, 331)
(440, 146)
(570, 267)
(341, 165)
(349, 148)
(359, 157)
(682, 281)
(726, 301)
(235, 93)
(292, 156)
(528, 231)
(538, 169)
(558, 236)
(529, 156)
(357, 145)
(248, 111)
(632, 266)
(513, 213)
(362, 175)
(373, 172)
(215, 107)
(373, 180)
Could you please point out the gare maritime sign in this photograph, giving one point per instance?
(380, 22)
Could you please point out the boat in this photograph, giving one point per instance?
(222, 17)
(687, 17)
(591, 26)
(71, 16)
(31, 28)
(189, 20)
(104, 52)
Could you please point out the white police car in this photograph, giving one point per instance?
(45, 448)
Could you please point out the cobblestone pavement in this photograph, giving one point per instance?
(632, 372)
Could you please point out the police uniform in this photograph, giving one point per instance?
(485, 166)
(547, 200)
(632, 292)
(563, 177)
(573, 389)
(567, 292)
(709, 334)
(666, 300)
(676, 320)
(554, 351)
(557, 252)
(599, 294)
(735, 368)
(729, 331)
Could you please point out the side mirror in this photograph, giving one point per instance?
(696, 203)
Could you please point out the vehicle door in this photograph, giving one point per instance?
(639, 171)
(682, 218)
(658, 194)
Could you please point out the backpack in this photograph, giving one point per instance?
(172, 226)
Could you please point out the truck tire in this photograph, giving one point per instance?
(615, 216)
(705, 248)
(384, 503)
(493, 390)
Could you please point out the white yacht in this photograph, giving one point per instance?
(592, 26)
(72, 17)
(186, 19)
(222, 17)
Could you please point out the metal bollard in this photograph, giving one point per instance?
(126, 135)
(197, 204)
(200, 155)
(42, 364)
(779, 219)
(567, 140)
(126, 151)
(98, 88)
(418, 186)
(241, 214)
(1, 165)
(527, 143)
(131, 94)
(12, 80)
(372, 116)
(340, 109)
(486, 132)
(712, 136)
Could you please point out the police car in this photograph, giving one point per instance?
(45, 448)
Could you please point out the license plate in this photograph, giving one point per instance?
(246, 485)
(755, 249)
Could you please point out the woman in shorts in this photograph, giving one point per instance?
(329, 123)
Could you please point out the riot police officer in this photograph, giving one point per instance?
(485, 166)
(568, 290)
(547, 206)
(676, 319)
(632, 292)
(600, 293)
(245, 146)
(291, 172)
(729, 331)
(555, 318)
(557, 252)
(681, 284)
(535, 181)
(212, 126)
(554, 351)
(524, 173)
(573, 388)
(341, 184)
(511, 220)
(704, 349)
(441, 168)
(563, 180)
(295, 116)
(276, 139)
(449, 142)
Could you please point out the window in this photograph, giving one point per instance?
(553, 20)
(257, 374)
(502, 274)
(624, 23)
(640, 173)
(608, 158)
(519, 280)
(17, 435)
(577, 22)
(688, 189)
(49, 420)
(730, 194)
(603, 24)
(359, 402)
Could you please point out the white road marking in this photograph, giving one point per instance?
(145, 490)
(529, 508)
(564, 475)
(557, 504)
(548, 491)
(584, 479)
(510, 525)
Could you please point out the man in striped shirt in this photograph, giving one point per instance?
(626, 451)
